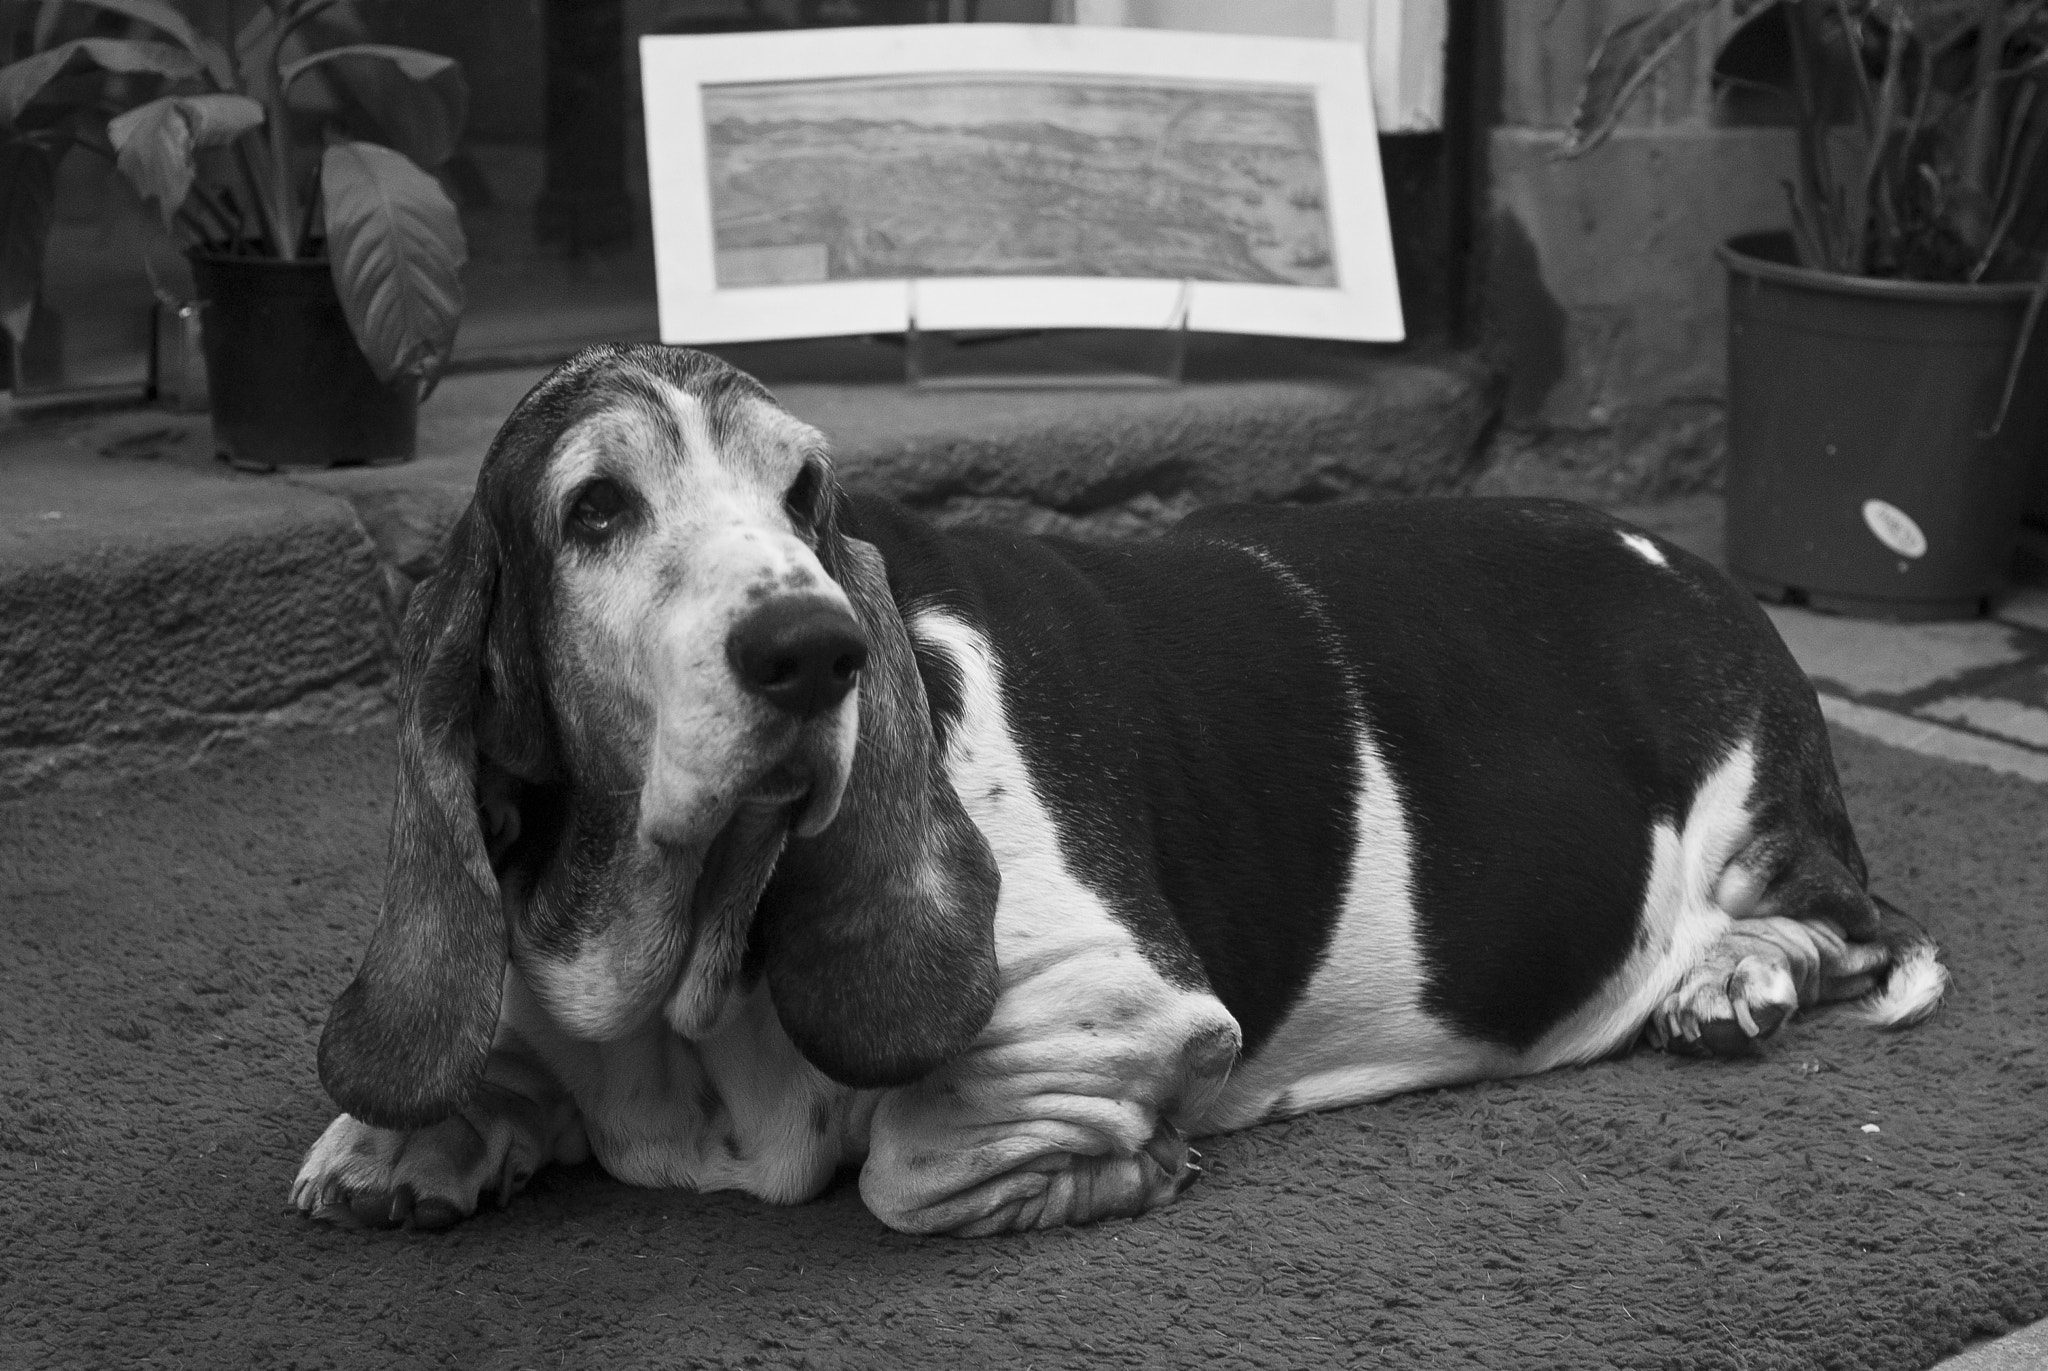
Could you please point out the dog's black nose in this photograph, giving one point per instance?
(802, 656)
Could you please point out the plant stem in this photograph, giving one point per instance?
(280, 211)
(267, 210)
(312, 211)
(292, 15)
(1815, 192)
(197, 225)
(216, 222)
(1978, 160)
(1851, 30)
(303, 15)
(2021, 348)
(2026, 146)
(215, 205)
(1875, 208)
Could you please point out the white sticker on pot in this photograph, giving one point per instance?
(1894, 528)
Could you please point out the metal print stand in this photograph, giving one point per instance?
(964, 359)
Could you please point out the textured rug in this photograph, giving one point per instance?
(1850, 1199)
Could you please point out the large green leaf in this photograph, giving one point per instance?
(21, 82)
(263, 43)
(256, 53)
(1629, 55)
(155, 144)
(420, 66)
(164, 16)
(403, 98)
(397, 251)
(28, 195)
(158, 14)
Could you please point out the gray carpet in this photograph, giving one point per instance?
(170, 949)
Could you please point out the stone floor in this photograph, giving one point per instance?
(1971, 690)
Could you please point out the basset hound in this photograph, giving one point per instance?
(747, 830)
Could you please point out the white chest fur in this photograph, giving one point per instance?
(738, 1109)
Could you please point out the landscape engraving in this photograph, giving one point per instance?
(1016, 175)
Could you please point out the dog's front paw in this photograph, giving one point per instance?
(362, 1176)
(366, 1177)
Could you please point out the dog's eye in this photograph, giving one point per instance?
(600, 508)
(804, 495)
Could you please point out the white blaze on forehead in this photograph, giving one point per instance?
(1644, 549)
(690, 417)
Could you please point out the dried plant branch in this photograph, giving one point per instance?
(1978, 161)
(2028, 325)
(2025, 148)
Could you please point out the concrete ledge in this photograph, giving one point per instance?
(148, 607)
(1075, 461)
(157, 604)
(1095, 463)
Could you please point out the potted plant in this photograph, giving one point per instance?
(73, 102)
(327, 258)
(1888, 386)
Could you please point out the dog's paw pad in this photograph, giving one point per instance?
(1727, 1006)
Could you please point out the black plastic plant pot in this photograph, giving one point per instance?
(289, 385)
(1862, 477)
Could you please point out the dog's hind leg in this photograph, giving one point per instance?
(1808, 935)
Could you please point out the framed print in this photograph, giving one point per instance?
(994, 176)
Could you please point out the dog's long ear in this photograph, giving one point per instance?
(405, 1043)
(879, 933)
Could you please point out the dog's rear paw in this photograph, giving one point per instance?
(1754, 979)
(1726, 1005)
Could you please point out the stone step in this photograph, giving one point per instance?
(156, 603)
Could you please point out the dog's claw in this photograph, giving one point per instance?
(1168, 1148)
(369, 1210)
(1747, 987)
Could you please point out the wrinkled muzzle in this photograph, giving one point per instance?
(765, 716)
(754, 725)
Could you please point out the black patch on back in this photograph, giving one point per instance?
(1543, 695)
(1186, 731)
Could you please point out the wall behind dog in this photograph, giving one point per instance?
(1601, 297)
